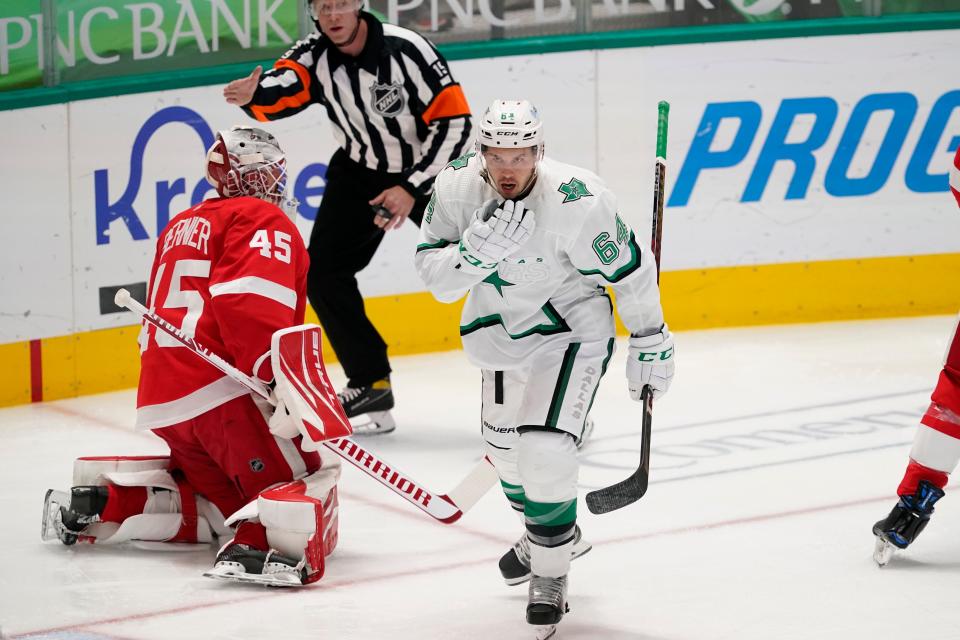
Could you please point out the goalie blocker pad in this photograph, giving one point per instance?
(303, 385)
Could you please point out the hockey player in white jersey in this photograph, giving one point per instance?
(533, 243)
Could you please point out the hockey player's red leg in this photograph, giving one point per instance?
(915, 474)
(229, 455)
(935, 453)
(944, 413)
(123, 502)
(252, 534)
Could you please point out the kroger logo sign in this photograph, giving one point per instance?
(112, 202)
(901, 108)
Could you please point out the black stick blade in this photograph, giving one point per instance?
(619, 495)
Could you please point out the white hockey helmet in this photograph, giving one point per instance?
(511, 124)
(246, 161)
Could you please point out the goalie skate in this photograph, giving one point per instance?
(52, 527)
(547, 632)
(62, 523)
(241, 563)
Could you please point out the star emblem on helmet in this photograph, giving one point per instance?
(573, 190)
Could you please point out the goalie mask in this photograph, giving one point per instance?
(245, 161)
(510, 124)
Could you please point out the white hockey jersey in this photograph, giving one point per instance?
(551, 291)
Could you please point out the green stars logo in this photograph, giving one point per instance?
(462, 161)
(497, 282)
(573, 190)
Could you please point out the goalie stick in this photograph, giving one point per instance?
(632, 489)
(447, 507)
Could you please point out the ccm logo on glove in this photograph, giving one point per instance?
(650, 356)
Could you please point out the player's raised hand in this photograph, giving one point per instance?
(492, 237)
(240, 92)
(514, 221)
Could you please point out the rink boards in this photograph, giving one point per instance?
(806, 181)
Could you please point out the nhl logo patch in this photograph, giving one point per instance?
(387, 99)
(256, 465)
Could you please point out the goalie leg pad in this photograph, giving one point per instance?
(299, 521)
(302, 519)
(169, 510)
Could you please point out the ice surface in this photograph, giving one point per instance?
(773, 454)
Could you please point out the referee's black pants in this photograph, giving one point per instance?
(343, 240)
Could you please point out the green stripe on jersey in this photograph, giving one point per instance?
(439, 244)
(560, 390)
(556, 324)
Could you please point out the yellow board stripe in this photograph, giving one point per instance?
(812, 291)
(106, 360)
(14, 373)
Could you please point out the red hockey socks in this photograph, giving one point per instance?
(252, 534)
(915, 474)
(123, 502)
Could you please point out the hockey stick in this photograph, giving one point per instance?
(632, 489)
(447, 508)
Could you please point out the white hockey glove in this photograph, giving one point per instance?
(494, 234)
(650, 362)
(281, 423)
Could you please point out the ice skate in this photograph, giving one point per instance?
(905, 522)
(368, 407)
(515, 563)
(547, 600)
(243, 563)
(66, 515)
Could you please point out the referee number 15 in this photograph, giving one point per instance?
(279, 248)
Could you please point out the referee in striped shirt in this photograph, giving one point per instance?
(399, 118)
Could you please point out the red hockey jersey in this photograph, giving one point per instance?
(229, 272)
